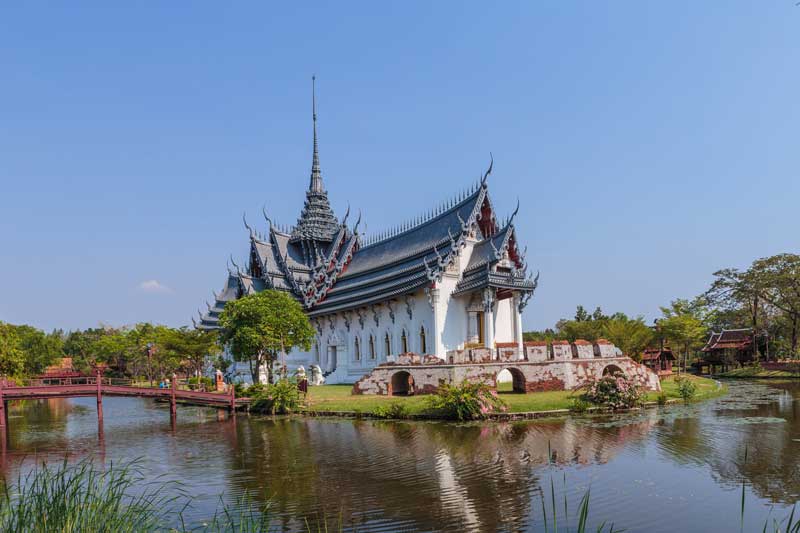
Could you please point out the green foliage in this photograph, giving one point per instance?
(616, 392)
(467, 401)
(12, 358)
(686, 388)
(25, 350)
(83, 497)
(579, 405)
(280, 398)
(206, 382)
(631, 335)
(392, 410)
(259, 327)
(662, 399)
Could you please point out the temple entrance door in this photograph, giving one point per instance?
(331, 366)
(479, 324)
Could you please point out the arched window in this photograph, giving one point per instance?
(371, 347)
(423, 343)
(387, 341)
(404, 341)
(357, 349)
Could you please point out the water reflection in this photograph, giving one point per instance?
(389, 476)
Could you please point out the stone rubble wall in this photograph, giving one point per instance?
(535, 377)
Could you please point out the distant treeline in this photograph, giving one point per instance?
(144, 350)
(765, 298)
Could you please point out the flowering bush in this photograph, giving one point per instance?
(467, 401)
(616, 392)
(281, 398)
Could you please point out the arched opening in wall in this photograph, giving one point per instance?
(357, 349)
(612, 370)
(510, 380)
(402, 384)
(404, 342)
(423, 344)
(387, 345)
(372, 347)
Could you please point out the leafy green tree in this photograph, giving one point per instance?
(732, 290)
(776, 280)
(40, 350)
(193, 347)
(259, 327)
(684, 325)
(12, 358)
(631, 335)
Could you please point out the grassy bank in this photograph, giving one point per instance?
(337, 398)
(754, 372)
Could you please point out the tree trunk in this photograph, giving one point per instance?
(794, 336)
(755, 327)
(254, 371)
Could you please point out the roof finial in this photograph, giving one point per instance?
(489, 170)
(316, 174)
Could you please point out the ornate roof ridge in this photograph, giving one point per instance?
(430, 216)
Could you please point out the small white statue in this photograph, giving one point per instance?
(316, 376)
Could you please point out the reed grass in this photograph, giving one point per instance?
(86, 498)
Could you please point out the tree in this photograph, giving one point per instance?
(12, 358)
(40, 350)
(733, 289)
(776, 280)
(631, 335)
(684, 325)
(192, 346)
(258, 327)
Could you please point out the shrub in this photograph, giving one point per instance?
(662, 399)
(467, 401)
(202, 380)
(616, 392)
(392, 410)
(578, 405)
(687, 388)
(281, 398)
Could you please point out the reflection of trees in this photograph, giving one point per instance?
(425, 476)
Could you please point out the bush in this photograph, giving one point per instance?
(687, 388)
(662, 399)
(616, 392)
(207, 382)
(392, 410)
(578, 405)
(281, 398)
(468, 401)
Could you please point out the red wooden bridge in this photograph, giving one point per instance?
(99, 386)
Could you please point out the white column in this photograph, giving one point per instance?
(488, 318)
(518, 326)
(438, 324)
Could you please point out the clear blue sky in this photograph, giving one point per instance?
(650, 143)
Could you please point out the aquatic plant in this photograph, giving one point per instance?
(467, 401)
(83, 497)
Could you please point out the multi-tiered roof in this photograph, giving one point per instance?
(329, 267)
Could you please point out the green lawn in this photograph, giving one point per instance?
(338, 398)
(706, 388)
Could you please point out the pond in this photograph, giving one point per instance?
(678, 468)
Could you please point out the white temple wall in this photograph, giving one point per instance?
(504, 321)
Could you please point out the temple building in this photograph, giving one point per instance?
(454, 279)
